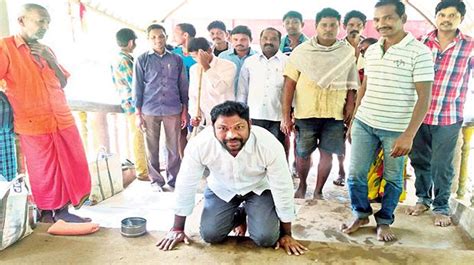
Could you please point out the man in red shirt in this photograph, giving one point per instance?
(55, 158)
(435, 143)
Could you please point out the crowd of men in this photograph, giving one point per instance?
(399, 93)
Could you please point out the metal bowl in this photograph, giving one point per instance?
(133, 227)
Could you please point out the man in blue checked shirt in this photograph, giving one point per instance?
(8, 165)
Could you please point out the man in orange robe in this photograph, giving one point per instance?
(55, 158)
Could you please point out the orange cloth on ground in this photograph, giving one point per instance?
(62, 228)
(38, 101)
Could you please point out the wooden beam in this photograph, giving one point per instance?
(105, 13)
(81, 105)
(420, 12)
(174, 10)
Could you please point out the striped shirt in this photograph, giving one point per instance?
(390, 95)
(452, 72)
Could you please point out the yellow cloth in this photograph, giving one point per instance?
(313, 102)
(375, 181)
(138, 143)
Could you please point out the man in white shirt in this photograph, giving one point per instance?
(261, 83)
(246, 165)
(217, 84)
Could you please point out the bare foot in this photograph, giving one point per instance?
(64, 215)
(340, 181)
(416, 210)
(300, 193)
(46, 217)
(384, 233)
(318, 196)
(240, 219)
(240, 230)
(442, 220)
(354, 226)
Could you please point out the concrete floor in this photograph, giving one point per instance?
(108, 247)
(317, 225)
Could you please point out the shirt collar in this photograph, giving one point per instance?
(151, 51)
(19, 41)
(403, 43)
(301, 39)
(277, 55)
(249, 146)
(248, 53)
(127, 55)
(433, 36)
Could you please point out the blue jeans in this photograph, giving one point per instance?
(365, 141)
(218, 217)
(432, 158)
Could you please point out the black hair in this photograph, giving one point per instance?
(241, 29)
(355, 14)
(155, 26)
(370, 41)
(123, 36)
(196, 44)
(230, 108)
(327, 12)
(293, 14)
(458, 4)
(188, 28)
(272, 29)
(216, 24)
(399, 6)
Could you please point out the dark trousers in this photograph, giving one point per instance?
(172, 133)
(271, 126)
(432, 158)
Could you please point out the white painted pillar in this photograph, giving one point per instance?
(4, 25)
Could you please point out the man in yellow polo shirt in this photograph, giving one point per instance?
(321, 77)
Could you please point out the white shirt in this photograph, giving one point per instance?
(261, 85)
(217, 86)
(390, 96)
(260, 165)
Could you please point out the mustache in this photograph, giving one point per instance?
(383, 28)
(233, 139)
(268, 45)
(354, 32)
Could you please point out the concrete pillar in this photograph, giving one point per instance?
(4, 25)
(100, 131)
(467, 133)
